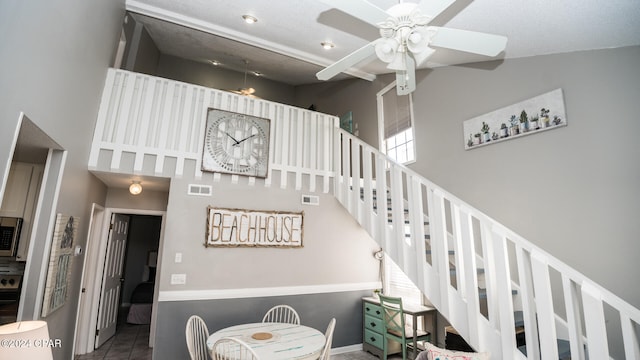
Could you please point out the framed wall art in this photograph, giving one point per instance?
(60, 262)
(236, 144)
(531, 116)
(253, 228)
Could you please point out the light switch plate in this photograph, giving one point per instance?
(178, 279)
(178, 258)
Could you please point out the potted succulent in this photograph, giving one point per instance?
(556, 120)
(524, 122)
(514, 130)
(544, 116)
(495, 136)
(533, 123)
(376, 293)
(485, 131)
(477, 140)
(504, 132)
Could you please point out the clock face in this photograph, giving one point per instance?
(236, 144)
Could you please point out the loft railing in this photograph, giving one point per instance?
(154, 126)
(558, 304)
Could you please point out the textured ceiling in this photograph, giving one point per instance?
(284, 44)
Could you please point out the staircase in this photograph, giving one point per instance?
(500, 292)
(483, 278)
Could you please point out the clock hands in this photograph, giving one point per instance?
(245, 139)
(232, 138)
(238, 142)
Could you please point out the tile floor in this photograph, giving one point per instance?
(131, 342)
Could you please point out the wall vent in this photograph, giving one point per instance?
(200, 190)
(310, 200)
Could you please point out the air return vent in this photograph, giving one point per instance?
(200, 190)
(310, 200)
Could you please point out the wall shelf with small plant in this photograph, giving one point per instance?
(532, 116)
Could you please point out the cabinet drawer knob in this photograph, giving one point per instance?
(373, 324)
(372, 339)
(378, 312)
(368, 308)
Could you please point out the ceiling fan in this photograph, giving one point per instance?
(406, 40)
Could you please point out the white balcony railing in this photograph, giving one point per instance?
(154, 126)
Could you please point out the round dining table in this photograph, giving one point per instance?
(274, 341)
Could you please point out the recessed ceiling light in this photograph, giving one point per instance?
(257, 73)
(327, 45)
(214, 62)
(249, 19)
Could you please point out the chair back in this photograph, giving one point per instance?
(326, 351)
(393, 315)
(233, 348)
(282, 314)
(197, 333)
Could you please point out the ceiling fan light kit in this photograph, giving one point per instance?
(406, 41)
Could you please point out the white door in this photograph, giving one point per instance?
(111, 279)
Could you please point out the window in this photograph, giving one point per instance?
(395, 120)
(398, 284)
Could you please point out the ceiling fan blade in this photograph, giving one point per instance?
(469, 41)
(433, 8)
(406, 79)
(347, 62)
(360, 9)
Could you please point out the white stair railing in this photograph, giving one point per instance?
(153, 126)
(518, 275)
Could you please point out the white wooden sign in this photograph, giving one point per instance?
(253, 228)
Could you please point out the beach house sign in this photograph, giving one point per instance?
(253, 228)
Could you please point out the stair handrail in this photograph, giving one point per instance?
(355, 159)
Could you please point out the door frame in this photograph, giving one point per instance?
(92, 274)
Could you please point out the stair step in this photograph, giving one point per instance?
(518, 317)
(451, 252)
(564, 349)
(478, 270)
(483, 293)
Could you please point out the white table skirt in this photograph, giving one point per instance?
(288, 341)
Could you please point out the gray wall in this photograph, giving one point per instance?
(572, 191)
(336, 252)
(175, 68)
(54, 57)
(315, 310)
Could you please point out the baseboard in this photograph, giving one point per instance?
(346, 349)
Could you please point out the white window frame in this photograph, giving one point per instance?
(396, 283)
(381, 122)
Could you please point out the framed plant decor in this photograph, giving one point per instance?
(236, 144)
(60, 262)
(532, 116)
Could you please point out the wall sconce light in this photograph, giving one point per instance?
(135, 188)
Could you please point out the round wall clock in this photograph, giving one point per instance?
(236, 144)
